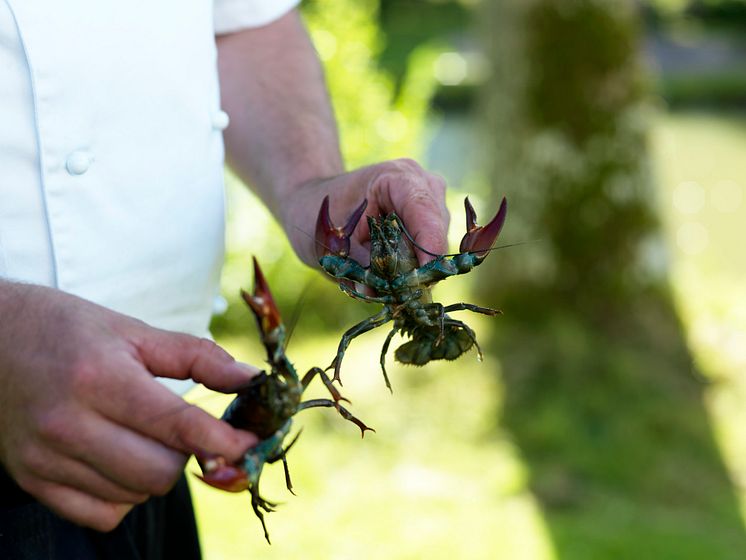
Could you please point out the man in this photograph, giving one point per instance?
(111, 225)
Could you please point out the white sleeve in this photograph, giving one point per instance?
(233, 15)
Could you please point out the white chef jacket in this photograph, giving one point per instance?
(111, 153)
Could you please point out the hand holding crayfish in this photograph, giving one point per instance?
(402, 286)
(401, 186)
(79, 404)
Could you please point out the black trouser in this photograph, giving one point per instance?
(161, 528)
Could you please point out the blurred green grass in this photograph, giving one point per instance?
(702, 172)
(440, 479)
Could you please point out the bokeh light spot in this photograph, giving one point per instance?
(689, 197)
(450, 69)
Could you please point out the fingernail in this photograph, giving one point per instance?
(245, 368)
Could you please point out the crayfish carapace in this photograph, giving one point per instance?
(266, 406)
(402, 286)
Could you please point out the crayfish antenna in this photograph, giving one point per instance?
(479, 239)
(331, 239)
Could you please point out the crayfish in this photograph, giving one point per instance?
(402, 286)
(266, 406)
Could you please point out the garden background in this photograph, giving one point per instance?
(607, 419)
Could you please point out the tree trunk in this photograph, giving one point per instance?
(601, 398)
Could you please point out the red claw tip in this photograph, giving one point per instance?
(219, 474)
(262, 303)
(333, 240)
(230, 479)
(471, 215)
(479, 239)
(354, 218)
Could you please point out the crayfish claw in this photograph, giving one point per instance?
(479, 239)
(262, 303)
(218, 473)
(331, 239)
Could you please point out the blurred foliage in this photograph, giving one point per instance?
(568, 113)
(718, 89)
(596, 407)
(726, 13)
(408, 24)
(441, 478)
(377, 121)
(600, 395)
(699, 48)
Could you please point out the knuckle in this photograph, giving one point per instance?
(31, 458)
(208, 347)
(83, 375)
(408, 164)
(207, 350)
(28, 483)
(399, 167)
(439, 183)
(55, 426)
(421, 197)
(190, 431)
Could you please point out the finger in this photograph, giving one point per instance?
(131, 460)
(55, 467)
(419, 200)
(179, 425)
(79, 507)
(181, 356)
(425, 211)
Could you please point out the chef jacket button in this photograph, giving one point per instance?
(220, 120)
(219, 305)
(78, 162)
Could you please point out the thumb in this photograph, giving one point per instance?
(182, 356)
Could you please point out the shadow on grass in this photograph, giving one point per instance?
(609, 415)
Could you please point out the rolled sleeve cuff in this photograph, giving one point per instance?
(234, 15)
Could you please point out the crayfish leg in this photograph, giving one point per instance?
(472, 307)
(380, 318)
(313, 372)
(384, 350)
(346, 414)
(258, 504)
(354, 294)
(283, 456)
(288, 482)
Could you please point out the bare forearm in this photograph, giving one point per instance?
(283, 141)
(282, 130)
